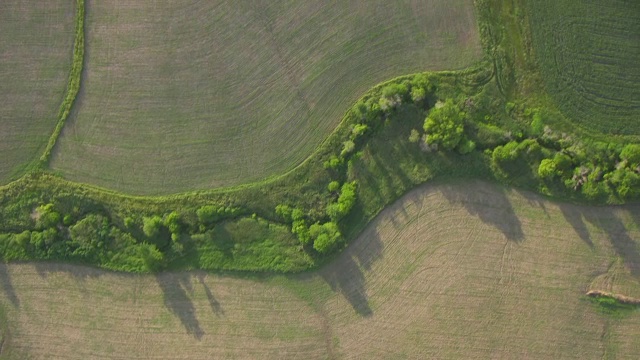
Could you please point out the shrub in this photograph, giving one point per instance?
(345, 202)
(631, 153)
(152, 226)
(466, 146)
(299, 227)
(537, 124)
(207, 214)
(333, 163)
(284, 211)
(421, 81)
(414, 137)
(418, 94)
(347, 147)
(172, 222)
(547, 169)
(506, 153)
(444, 126)
(358, 130)
(89, 236)
(325, 237)
(333, 186)
(396, 89)
(47, 217)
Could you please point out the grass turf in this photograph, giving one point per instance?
(195, 95)
(587, 52)
(36, 47)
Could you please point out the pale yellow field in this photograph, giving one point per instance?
(465, 271)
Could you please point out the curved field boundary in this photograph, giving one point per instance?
(470, 270)
(36, 44)
(175, 101)
(73, 86)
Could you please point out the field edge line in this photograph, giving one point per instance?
(73, 85)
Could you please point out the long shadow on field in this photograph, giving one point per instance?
(574, 217)
(491, 205)
(213, 303)
(7, 286)
(174, 288)
(347, 279)
(346, 275)
(623, 244)
(79, 272)
(634, 211)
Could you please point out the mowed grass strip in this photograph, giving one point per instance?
(588, 54)
(464, 271)
(36, 48)
(199, 94)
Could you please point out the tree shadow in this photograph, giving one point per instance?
(534, 200)
(574, 217)
(346, 275)
(78, 272)
(7, 286)
(215, 306)
(347, 279)
(489, 204)
(174, 288)
(634, 212)
(623, 244)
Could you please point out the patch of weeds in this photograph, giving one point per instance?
(613, 307)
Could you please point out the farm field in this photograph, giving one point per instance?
(448, 271)
(36, 38)
(588, 55)
(190, 95)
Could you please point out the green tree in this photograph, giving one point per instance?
(444, 126)
(333, 163)
(547, 169)
(172, 222)
(325, 236)
(151, 226)
(631, 153)
(333, 186)
(358, 130)
(47, 217)
(284, 211)
(207, 214)
(418, 94)
(89, 236)
(345, 202)
(347, 147)
(466, 146)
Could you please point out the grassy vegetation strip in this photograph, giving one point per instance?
(449, 271)
(212, 94)
(402, 133)
(36, 42)
(617, 297)
(73, 86)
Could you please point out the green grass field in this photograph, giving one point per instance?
(195, 95)
(465, 271)
(36, 40)
(588, 55)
